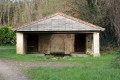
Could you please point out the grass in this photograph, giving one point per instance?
(10, 54)
(91, 68)
(7, 46)
(86, 72)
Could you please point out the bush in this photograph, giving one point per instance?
(7, 36)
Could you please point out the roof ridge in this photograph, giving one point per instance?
(81, 21)
(61, 14)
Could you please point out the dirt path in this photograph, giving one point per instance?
(10, 72)
(1, 77)
(28, 65)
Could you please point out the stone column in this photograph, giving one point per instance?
(89, 43)
(20, 43)
(69, 43)
(96, 48)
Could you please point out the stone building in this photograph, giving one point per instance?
(58, 34)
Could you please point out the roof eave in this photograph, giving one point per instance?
(64, 31)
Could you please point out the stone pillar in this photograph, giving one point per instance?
(69, 43)
(89, 43)
(20, 43)
(96, 48)
(73, 43)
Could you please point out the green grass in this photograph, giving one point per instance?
(11, 55)
(7, 46)
(86, 72)
(90, 68)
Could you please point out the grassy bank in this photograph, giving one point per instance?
(11, 54)
(90, 68)
(86, 72)
(7, 46)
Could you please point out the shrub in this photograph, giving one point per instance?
(7, 36)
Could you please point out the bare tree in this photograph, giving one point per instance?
(115, 10)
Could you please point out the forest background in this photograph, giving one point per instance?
(104, 13)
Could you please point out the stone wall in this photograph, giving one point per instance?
(44, 43)
(89, 42)
(56, 43)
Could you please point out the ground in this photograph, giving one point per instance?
(39, 67)
(10, 72)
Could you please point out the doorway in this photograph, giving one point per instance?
(80, 43)
(32, 43)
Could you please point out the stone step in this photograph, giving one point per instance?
(79, 55)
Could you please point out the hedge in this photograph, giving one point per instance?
(7, 36)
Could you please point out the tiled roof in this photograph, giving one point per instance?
(59, 22)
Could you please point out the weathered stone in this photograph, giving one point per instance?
(96, 48)
(89, 43)
(51, 43)
(57, 34)
(40, 54)
(79, 55)
(21, 49)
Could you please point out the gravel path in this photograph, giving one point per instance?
(1, 77)
(10, 72)
(29, 65)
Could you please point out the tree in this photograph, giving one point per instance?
(115, 10)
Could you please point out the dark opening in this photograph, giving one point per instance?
(80, 42)
(32, 43)
(59, 55)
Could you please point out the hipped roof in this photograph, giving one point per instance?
(59, 22)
